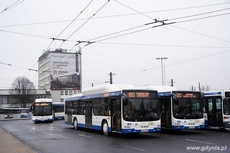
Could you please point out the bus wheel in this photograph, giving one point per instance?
(75, 123)
(105, 128)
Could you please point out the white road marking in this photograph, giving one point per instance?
(200, 141)
(134, 148)
(86, 136)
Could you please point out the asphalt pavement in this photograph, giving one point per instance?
(10, 144)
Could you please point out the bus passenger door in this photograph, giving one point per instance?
(88, 114)
(68, 113)
(162, 113)
(214, 112)
(116, 114)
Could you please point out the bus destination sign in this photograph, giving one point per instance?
(186, 95)
(138, 94)
(41, 104)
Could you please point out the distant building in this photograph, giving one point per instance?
(59, 73)
(7, 98)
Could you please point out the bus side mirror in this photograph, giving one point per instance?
(176, 101)
(31, 107)
(124, 100)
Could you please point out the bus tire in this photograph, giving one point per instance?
(75, 124)
(105, 128)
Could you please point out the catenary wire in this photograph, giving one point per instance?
(176, 9)
(85, 22)
(11, 6)
(71, 22)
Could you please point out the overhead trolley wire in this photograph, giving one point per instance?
(201, 34)
(85, 22)
(133, 9)
(70, 23)
(19, 33)
(11, 6)
(82, 26)
(206, 17)
(176, 9)
(161, 45)
(200, 14)
(91, 40)
(163, 22)
(184, 61)
(128, 33)
(115, 34)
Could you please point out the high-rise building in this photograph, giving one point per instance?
(59, 73)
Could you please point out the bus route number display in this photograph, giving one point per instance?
(137, 94)
(186, 95)
(41, 104)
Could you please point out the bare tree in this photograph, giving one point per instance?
(22, 89)
(205, 88)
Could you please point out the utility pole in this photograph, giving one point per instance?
(80, 62)
(111, 77)
(172, 82)
(162, 69)
(199, 86)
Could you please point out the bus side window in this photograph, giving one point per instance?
(210, 107)
(106, 103)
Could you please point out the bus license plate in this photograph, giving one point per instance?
(144, 130)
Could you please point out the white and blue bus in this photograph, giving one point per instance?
(180, 109)
(114, 108)
(15, 113)
(217, 109)
(42, 110)
(58, 110)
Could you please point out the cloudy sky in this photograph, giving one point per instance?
(127, 38)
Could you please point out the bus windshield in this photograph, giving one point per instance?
(42, 109)
(187, 108)
(141, 110)
(227, 106)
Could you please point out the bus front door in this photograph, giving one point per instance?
(88, 114)
(116, 114)
(214, 112)
(166, 119)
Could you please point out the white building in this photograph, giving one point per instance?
(59, 73)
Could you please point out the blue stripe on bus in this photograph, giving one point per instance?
(59, 117)
(110, 94)
(97, 127)
(187, 127)
(139, 131)
(46, 120)
(161, 94)
(212, 93)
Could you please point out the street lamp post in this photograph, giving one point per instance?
(162, 71)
